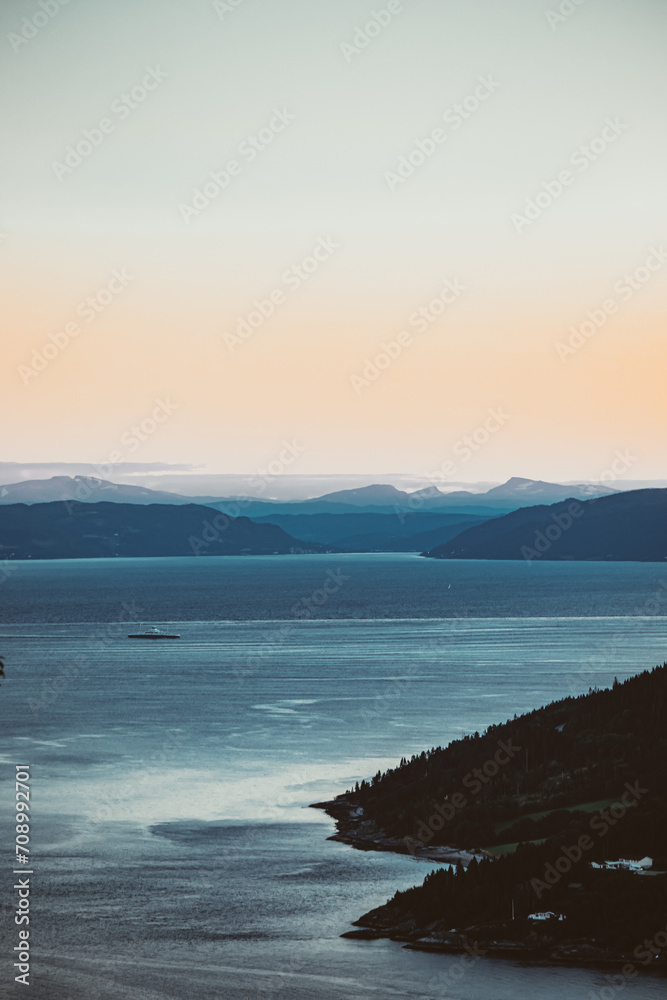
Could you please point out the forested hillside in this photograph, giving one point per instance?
(544, 795)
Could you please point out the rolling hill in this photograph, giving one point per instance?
(372, 532)
(71, 530)
(623, 526)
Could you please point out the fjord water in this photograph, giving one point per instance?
(174, 851)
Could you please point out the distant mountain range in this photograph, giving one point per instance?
(515, 492)
(373, 518)
(196, 481)
(527, 491)
(73, 530)
(628, 526)
(620, 526)
(84, 489)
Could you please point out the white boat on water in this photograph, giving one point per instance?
(153, 633)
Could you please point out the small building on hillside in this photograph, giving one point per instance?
(625, 865)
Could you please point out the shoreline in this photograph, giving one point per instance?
(362, 834)
(390, 922)
(493, 941)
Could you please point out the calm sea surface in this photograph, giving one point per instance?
(174, 852)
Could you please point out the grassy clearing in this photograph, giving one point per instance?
(498, 850)
(584, 807)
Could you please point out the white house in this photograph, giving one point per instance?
(624, 864)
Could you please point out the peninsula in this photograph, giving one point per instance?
(553, 826)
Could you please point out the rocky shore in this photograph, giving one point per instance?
(519, 940)
(354, 829)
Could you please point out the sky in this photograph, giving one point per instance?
(427, 237)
